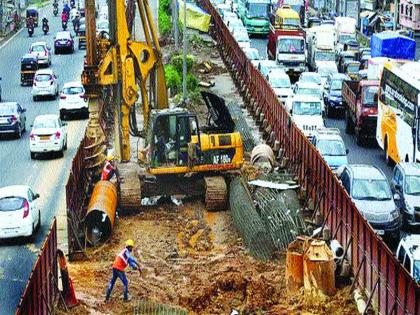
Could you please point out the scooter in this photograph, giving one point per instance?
(64, 25)
(45, 28)
(55, 11)
(30, 31)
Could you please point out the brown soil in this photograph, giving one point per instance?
(192, 259)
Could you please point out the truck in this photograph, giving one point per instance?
(321, 45)
(255, 15)
(345, 30)
(392, 45)
(360, 100)
(286, 41)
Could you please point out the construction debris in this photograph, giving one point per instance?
(277, 186)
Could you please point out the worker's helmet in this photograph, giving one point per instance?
(129, 243)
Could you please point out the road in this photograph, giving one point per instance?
(47, 176)
(370, 154)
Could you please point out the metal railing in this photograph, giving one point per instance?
(389, 287)
(42, 287)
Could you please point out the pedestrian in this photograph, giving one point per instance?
(121, 262)
(108, 171)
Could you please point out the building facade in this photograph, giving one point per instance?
(409, 14)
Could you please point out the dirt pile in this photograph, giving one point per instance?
(195, 260)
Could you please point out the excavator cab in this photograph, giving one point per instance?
(174, 139)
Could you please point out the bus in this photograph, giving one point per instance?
(397, 131)
(255, 15)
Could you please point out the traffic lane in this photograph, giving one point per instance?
(46, 176)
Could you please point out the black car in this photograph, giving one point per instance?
(63, 42)
(28, 66)
(333, 99)
(12, 118)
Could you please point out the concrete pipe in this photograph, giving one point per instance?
(100, 214)
(262, 153)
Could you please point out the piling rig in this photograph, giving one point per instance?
(178, 157)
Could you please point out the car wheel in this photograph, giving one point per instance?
(39, 221)
(32, 156)
(35, 98)
(19, 132)
(388, 159)
(65, 144)
(62, 116)
(32, 237)
(359, 137)
(55, 52)
(61, 152)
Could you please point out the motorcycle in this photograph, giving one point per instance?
(30, 31)
(55, 11)
(76, 28)
(45, 28)
(64, 25)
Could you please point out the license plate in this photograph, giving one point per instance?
(380, 232)
(44, 137)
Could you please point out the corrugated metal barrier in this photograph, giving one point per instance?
(378, 273)
(41, 290)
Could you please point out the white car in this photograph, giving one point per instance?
(42, 51)
(309, 89)
(45, 84)
(266, 65)
(72, 100)
(48, 134)
(241, 36)
(306, 113)
(325, 68)
(20, 214)
(233, 23)
(253, 54)
(310, 77)
(280, 82)
(102, 26)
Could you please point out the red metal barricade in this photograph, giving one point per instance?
(377, 271)
(41, 290)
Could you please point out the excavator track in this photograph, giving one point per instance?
(216, 192)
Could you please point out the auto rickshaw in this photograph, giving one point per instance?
(352, 68)
(28, 67)
(32, 12)
(82, 36)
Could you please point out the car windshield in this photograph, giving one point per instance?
(291, 21)
(342, 38)
(7, 109)
(242, 37)
(39, 124)
(336, 85)
(369, 189)
(353, 68)
(325, 56)
(331, 147)
(73, 90)
(280, 82)
(309, 91)
(307, 108)
(326, 71)
(369, 95)
(412, 185)
(252, 54)
(310, 78)
(258, 10)
(11, 203)
(291, 45)
(43, 77)
(38, 48)
(416, 271)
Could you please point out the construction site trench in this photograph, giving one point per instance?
(199, 262)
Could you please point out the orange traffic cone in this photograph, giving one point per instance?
(68, 289)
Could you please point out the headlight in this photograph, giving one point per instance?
(409, 207)
(394, 215)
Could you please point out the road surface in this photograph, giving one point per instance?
(48, 175)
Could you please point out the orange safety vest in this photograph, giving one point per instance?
(108, 168)
(121, 261)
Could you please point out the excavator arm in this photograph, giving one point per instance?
(130, 66)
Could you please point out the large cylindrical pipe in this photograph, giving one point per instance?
(100, 215)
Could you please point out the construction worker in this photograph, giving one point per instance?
(122, 260)
(108, 171)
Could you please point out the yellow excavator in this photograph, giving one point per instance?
(179, 156)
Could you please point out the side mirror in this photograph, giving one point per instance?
(23, 110)
(36, 196)
(396, 197)
(397, 187)
(31, 126)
